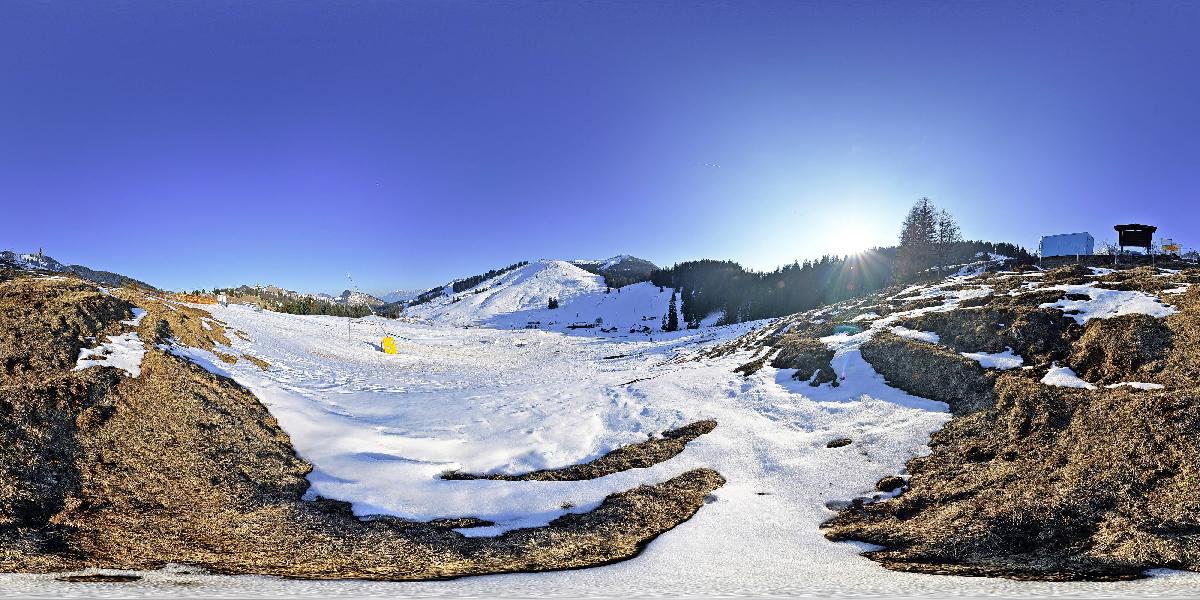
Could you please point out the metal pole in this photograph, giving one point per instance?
(348, 317)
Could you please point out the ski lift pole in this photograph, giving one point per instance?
(348, 317)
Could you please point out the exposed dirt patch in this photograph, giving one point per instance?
(921, 303)
(1050, 484)
(1039, 335)
(1123, 348)
(931, 372)
(1071, 274)
(258, 362)
(1182, 363)
(890, 483)
(634, 456)
(811, 358)
(229, 359)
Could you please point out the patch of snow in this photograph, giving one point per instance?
(1137, 384)
(204, 358)
(997, 360)
(123, 351)
(1065, 377)
(1101, 271)
(992, 257)
(1028, 286)
(1104, 303)
(971, 271)
(924, 336)
(868, 316)
(138, 315)
(1179, 290)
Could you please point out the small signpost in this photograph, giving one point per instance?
(389, 345)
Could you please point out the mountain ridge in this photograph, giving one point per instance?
(42, 262)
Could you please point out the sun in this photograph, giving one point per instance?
(849, 238)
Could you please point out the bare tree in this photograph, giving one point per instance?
(948, 236)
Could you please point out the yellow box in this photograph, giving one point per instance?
(389, 345)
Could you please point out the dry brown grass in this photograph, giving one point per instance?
(1039, 482)
(258, 362)
(634, 456)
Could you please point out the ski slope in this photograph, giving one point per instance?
(520, 298)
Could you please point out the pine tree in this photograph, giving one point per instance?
(672, 318)
(918, 241)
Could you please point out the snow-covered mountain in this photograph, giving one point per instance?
(41, 262)
(37, 261)
(520, 298)
(620, 270)
(357, 298)
(400, 295)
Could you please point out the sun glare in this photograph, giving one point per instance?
(850, 238)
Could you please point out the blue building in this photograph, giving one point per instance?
(1067, 244)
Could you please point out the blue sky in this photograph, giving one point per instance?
(195, 144)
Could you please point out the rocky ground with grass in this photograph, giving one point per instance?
(1076, 402)
(134, 464)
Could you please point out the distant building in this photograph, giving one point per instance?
(1067, 244)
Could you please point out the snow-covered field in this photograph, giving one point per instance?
(380, 428)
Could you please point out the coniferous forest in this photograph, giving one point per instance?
(930, 244)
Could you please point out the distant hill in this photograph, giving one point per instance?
(521, 297)
(619, 271)
(400, 295)
(42, 262)
(356, 298)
